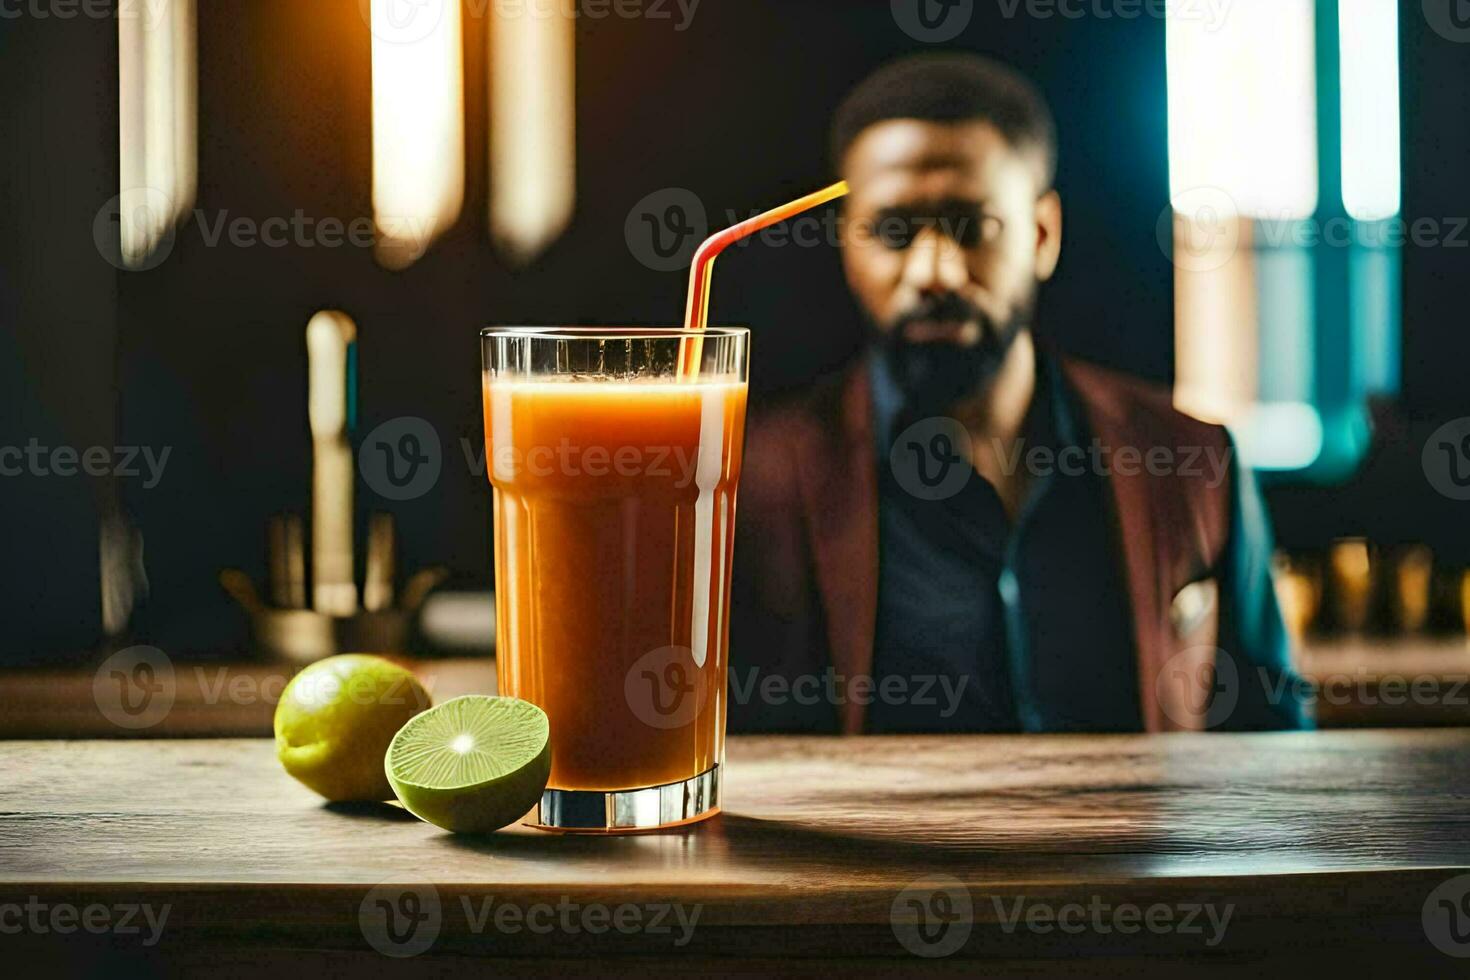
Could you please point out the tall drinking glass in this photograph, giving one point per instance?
(614, 454)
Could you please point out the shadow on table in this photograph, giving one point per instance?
(370, 811)
(778, 843)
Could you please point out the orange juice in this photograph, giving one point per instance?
(614, 505)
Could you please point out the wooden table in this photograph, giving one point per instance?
(847, 856)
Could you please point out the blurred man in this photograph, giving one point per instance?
(965, 531)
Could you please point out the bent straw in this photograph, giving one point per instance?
(701, 272)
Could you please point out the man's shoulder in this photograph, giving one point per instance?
(816, 406)
(788, 431)
(1128, 404)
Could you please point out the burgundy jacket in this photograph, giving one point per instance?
(805, 589)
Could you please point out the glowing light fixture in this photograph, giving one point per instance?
(532, 126)
(1369, 35)
(1243, 107)
(418, 124)
(157, 125)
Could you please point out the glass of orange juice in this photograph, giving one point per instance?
(614, 457)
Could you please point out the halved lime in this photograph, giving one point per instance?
(473, 764)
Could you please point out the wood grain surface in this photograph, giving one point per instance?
(1323, 846)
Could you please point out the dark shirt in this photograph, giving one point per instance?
(988, 625)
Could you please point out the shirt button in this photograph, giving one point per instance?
(1010, 589)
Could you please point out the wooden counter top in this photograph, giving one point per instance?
(1323, 847)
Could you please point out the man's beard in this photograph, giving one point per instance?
(933, 376)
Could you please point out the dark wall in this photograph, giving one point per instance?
(207, 349)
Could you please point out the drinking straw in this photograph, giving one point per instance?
(696, 313)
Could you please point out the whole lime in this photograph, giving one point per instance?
(336, 719)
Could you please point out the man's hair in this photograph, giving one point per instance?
(951, 88)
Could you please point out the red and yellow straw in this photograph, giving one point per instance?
(696, 311)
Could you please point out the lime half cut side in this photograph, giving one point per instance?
(471, 765)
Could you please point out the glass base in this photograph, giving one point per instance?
(629, 811)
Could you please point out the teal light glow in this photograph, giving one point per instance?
(1279, 436)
